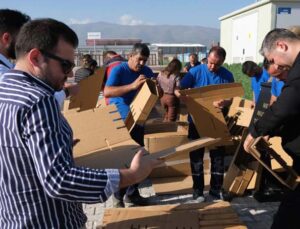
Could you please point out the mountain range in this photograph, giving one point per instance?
(150, 33)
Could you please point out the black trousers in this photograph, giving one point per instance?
(217, 165)
(287, 215)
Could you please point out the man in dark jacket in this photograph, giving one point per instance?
(281, 47)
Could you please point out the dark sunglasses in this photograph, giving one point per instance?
(66, 65)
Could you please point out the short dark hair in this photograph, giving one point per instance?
(219, 51)
(11, 20)
(194, 55)
(248, 67)
(273, 36)
(44, 34)
(141, 48)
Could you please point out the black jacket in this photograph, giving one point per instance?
(283, 117)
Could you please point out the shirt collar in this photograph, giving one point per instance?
(35, 80)
(6, 61)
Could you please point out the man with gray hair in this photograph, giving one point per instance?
(281, 47)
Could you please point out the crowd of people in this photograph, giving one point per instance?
(41, 187)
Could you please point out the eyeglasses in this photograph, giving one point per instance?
(66, 65)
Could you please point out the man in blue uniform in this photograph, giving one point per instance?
(121, 88)
(258, 75)
(199, 76)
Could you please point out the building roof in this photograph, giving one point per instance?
(112, 41)
(177, 45)
(245, 9)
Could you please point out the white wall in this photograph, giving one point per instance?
(242, 33)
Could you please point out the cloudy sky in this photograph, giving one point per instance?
(130, 12)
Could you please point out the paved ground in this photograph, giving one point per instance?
(254, 214)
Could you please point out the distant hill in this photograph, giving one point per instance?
(150, 33)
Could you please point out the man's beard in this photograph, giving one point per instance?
(11, 53)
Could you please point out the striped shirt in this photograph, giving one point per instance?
(40, 187)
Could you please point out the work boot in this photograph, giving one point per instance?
(117, 203)
(198, 196)
(220, 195)
(135, 199)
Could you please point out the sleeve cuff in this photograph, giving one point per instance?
(113, 181)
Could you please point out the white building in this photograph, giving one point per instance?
(243, 31)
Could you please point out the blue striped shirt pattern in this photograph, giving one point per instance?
(40, 187)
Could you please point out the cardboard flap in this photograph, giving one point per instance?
(209, 121)
(96, 129)
(215, 92)
(192, 145)
(89, 90)
(142, 104)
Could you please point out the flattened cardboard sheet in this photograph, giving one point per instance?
(104, 141)
(190, 146)
(89, 90)
(209, 121)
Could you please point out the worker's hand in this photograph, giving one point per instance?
(141, 166)
(138, 82)
(248, 141)
(222, 103)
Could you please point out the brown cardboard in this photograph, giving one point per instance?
(89, 90)
(209, 121)
(190, 146)
(238, 103)
(142, 104)
(276, 145)
(204, 215)
(157, 126)
(260, 144)
(104, 139)
(160, 141)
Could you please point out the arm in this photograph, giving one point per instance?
(112, 90)
(287, 105)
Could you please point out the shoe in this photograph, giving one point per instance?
(220, 195)
(198, 196)
(117, 203)
(135, 200)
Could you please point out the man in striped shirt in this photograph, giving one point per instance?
(40, 187)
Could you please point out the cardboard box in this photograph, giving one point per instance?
(160, 141)
(89, 90)
(158, 126)
(209, 121)
(142, 104)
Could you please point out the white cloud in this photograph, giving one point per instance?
(79, 21)
(128, 19)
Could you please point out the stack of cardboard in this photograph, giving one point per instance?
(204, 215)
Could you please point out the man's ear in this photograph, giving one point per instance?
(282, 45)
(35, 57)
(6, 39)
